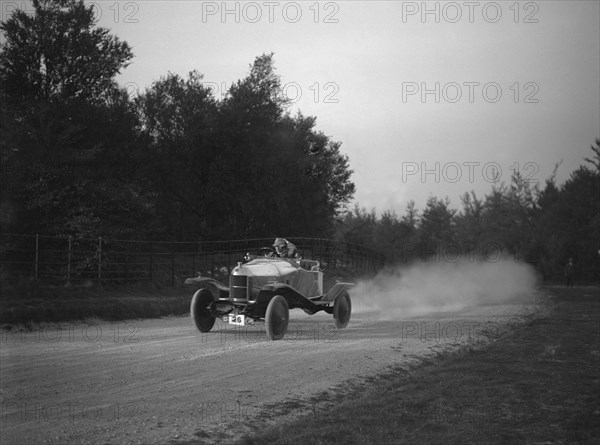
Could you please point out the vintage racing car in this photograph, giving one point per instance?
(264, 289)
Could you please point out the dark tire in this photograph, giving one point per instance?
(199, 312)
(276, 318)
(342, 309)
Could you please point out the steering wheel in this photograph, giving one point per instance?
(267, 252)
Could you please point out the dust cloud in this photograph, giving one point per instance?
(429, 287)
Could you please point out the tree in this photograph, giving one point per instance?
(58, 54)
(178, 118)
(548, 239)
(437, 227)
(595, 160)
(579, 217)
(240, 167)
(175, 163)
(358, 226)
(254, 105)
(289, 178)
(323, 165)
(67, 128)
(411, 216)
(568, 225)
(469, 222)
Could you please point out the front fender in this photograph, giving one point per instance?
(294, 298)
(218, 289)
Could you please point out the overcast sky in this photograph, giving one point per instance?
(426, 101)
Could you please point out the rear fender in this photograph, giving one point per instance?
(336, 291)
(218, 289)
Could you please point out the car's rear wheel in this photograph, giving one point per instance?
(342, 309)
(276, 318)
(199, 310)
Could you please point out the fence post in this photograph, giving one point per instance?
(126, 267)
(150, 263)
(37, 255)
(99, 259)
(172, 267)
(193, 274)
(69, 260)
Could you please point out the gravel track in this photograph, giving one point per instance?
(161, 381)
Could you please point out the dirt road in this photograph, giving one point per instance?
(159, 381)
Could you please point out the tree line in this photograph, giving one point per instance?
(82, 158)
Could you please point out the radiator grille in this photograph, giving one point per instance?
(238, 287)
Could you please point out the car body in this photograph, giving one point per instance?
(264, 289)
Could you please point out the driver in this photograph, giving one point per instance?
(285, 249)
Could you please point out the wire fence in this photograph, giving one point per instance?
(57, 260)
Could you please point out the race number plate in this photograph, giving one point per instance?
(237, 319)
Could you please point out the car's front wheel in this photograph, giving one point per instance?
(199, 310)
(276, 318)
(342, 309)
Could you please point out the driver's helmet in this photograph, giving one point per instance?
(280, 246)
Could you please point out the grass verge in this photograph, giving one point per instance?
(29, 303)
(539, 384)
